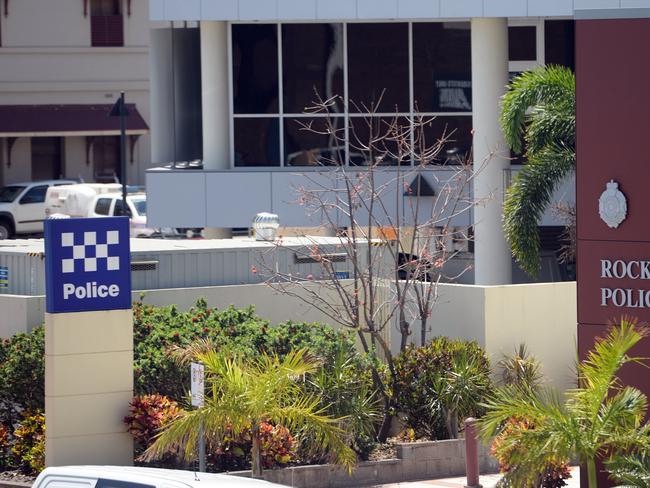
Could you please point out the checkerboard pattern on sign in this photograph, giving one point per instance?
(90, 254)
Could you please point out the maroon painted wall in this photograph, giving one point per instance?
(613, 135)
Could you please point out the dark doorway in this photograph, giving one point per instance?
(47, 161)
(106, 159)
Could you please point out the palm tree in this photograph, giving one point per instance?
(598, 419)
(538, 112)
(243, 393)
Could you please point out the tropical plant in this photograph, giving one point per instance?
(538, 112)
(344, 387)
(598, 418)
(29, 443)
(633, 470)
(147, 415)
(245, 392)
(441, 383)
(521, 369)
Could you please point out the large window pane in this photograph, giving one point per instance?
(378, 62)
(457, 134)
(383, 140)
(559, 44)
(522, 43)
(255, 68)
(442, 67)
(312, 62)
(314, 142)
(257, 142)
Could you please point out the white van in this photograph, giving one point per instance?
(111, 204)
(135, 477)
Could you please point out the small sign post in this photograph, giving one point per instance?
(197, 373)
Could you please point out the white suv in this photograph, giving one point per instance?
(22, 207)
(109, 204)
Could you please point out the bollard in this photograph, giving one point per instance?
(471, 454)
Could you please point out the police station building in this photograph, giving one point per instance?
(231, 79)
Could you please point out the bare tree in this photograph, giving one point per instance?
(393, 197)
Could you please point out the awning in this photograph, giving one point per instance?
(66, 120)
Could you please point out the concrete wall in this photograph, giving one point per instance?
(543, 316)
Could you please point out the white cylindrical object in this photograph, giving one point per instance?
(215, 104)
(161, 96)
(492, 257)
(215, 95)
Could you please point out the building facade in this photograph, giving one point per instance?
(231, 81)
(63, 65)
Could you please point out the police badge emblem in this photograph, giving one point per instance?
(612, 205)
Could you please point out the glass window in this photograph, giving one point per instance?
(103, 206)
(35, 195)
(386, 134)
(10, 193)
(255, 68)
(456, 130)
(140, 206)
(257, 141)
(119, 208)
(314, 142)
(104, 7)
(378, 63)
(522, 43)
(312, 62)
(442, 67)
(107, 483)
(559, 42)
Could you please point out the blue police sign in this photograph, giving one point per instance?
(87, 264)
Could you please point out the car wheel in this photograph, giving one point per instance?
(5, 231)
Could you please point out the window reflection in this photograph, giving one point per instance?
(257, 142)
(379, 140)
(314, 142)
(255, 68)
(378, 62)
(312, 62)
(457, 132)
(522, 43)
(442, 71)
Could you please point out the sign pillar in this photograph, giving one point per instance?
(88, 341)
(612, 183)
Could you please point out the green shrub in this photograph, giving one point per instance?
(158, 330)
(22, 375)
(440, 384)
(29, 443)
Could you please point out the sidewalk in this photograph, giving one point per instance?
(487, 481)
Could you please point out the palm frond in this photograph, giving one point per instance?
(543, 85)
(527, 199)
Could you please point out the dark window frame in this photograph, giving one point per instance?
(107, 30)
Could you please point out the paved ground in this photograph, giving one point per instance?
(488, 481)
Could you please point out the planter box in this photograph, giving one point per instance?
(415, 461)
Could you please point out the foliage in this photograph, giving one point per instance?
(441, 383)
(633, 470)
(521, 369)
(345, 390)
(243, 393)
(159, 330)
(147, 415)
(233, 452)
(4, 447)
(538, 109)
(598, 419)
(29, 443)
(555, 471)
(22, 375)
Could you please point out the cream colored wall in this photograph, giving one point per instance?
(544, 317)
(88, 386)
(46, 58)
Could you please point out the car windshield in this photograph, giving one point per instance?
(140, 207)
(9, 193)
